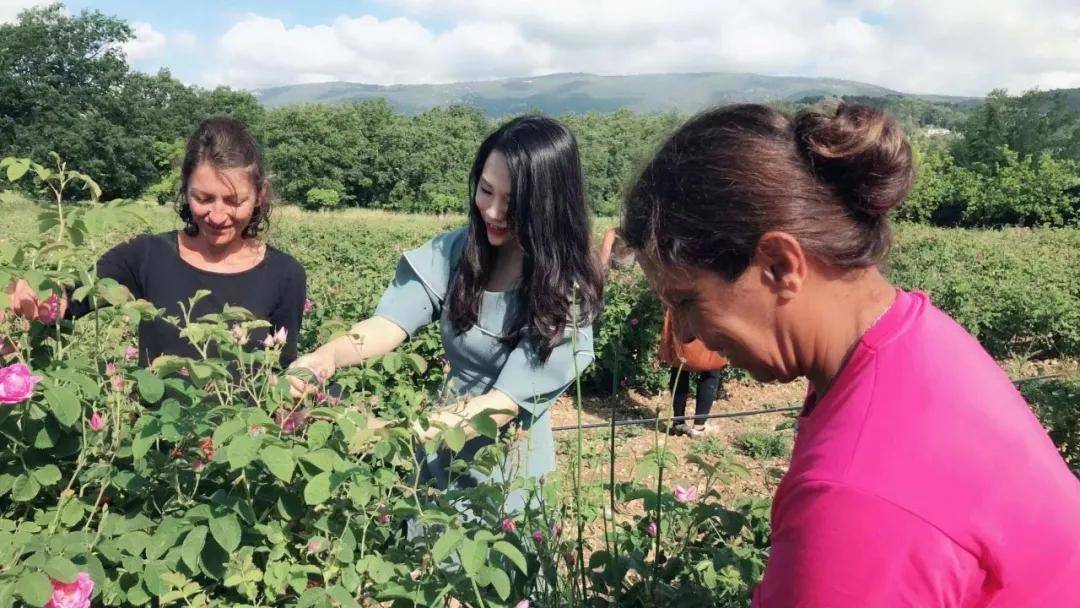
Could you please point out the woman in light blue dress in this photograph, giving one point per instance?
(515, 294)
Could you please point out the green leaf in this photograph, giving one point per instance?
(147, 435)
(63, 404)
(454, 438)
(61, 569)
(512, 552)
(47, 475)
(226, 531)
(472, 556)
(17, 169)
(150, 386)
(243, 449)
(34, 587)
(391, 362)
(343, 597)
(25, 488)
(324, 459)
(72, 513)
(279, 461)
(485, 425)
(319, 433)
(446, 543)
(317, 490)
(500, 581)
(193, 546)
(227, 429)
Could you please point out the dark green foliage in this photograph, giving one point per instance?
(65, 87)
(1057, 403)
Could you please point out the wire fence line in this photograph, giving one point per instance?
(758, 412)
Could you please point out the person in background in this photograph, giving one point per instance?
(919, 476)
(225, 205)
(687, 359)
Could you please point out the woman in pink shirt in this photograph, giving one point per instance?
(919, 475)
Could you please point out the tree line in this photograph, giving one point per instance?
(65, 86)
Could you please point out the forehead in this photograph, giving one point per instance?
(496, 172)
(210, 180)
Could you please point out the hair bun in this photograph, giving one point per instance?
(860, 152)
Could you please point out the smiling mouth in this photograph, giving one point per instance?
(497, 229)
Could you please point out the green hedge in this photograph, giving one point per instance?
(1017, 290)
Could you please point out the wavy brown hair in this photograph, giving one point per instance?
(827, 176)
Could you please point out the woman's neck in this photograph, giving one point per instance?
(239, 254)
(852, 310)
(507, 270)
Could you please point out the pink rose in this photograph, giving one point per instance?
(288, 422)
(685, 495)
(110, 368)
(276, 339)
(117, 383)
(17, 383)
(96, 422)
(313, 545)
(239, 333)
(131, 353)
(508, 526)
(75, 594)
(538, 536)
(198, 465)
(49, 310)
(556, 530)
(383, 519)
(651, 529)
(308, 305)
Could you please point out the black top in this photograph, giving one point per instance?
(151, 267)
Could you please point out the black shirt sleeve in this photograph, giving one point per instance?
(290, 309)
(121, 264)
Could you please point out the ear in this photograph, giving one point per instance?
(783, 263)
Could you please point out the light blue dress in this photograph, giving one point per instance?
(480, 361)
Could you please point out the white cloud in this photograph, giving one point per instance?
(960, 47)
(10, 9)
(146, 43)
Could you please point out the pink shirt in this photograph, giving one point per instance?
(923, 479)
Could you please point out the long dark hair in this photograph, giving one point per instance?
(548, 216)
(224, 143)
(828, 177)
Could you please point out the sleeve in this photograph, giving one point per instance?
(290, 312)
(833, 545)
(534, 384)
(415, 295)
(120, 264)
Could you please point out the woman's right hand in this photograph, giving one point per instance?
(320, 363)
(25, 303)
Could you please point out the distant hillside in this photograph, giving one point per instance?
(579, 93)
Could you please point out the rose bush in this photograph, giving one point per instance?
(198, 481)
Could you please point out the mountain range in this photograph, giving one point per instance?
(558, 94)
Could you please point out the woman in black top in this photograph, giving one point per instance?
(225, 204)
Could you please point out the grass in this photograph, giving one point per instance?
(761, 445)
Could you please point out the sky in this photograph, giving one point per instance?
(952, 47)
